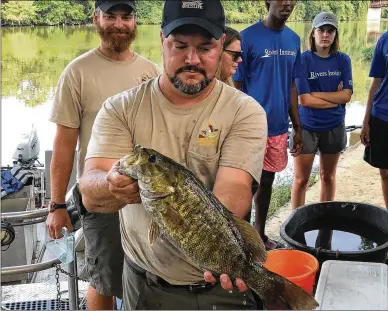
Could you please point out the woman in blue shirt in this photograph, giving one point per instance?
(324, 87)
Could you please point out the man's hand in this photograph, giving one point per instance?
(124, 188)
(340, 87)
(297, 140)
(56, 221)
(364, 136)
(226, 283)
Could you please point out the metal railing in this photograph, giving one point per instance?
(30, 217)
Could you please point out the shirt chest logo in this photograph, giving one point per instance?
(278, 52)
(315, 75)
(209, 135)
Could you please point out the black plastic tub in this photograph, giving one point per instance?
(361, 214)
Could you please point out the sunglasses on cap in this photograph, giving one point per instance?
(236, 55)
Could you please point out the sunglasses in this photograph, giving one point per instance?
(236, 55)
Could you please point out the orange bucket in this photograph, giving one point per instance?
(297, 266)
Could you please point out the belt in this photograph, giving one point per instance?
(154, 279)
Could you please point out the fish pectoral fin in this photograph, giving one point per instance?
(253, 243)
(173, 216)
(153, 195)
(153, 232)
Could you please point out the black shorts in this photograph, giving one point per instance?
(376, 154)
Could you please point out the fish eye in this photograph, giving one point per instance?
(152, 158)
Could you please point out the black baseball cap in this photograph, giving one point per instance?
(208, 14)
(106, 5)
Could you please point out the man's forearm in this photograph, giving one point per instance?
(96, 196)
(235, 197)
(339, 98)
(308, 100)
(293, 111)
(375, 85)
(60, 172)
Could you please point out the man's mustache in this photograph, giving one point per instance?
(119, 31)
(191, 68)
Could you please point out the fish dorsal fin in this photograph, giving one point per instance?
(253, 244)
(153, 232)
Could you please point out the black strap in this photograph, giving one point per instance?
(154, 279)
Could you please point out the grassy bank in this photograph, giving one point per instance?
(79, 12)
(281, 194)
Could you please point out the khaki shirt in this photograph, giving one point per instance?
(228, 128)
(86, 83)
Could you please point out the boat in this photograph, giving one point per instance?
(31, 277)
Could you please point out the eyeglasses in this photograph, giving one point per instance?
(235, 54)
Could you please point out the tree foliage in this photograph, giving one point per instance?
(76, 12)
(384, 13)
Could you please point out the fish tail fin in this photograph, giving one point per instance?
(277, 292)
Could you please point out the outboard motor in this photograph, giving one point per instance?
(27, 151)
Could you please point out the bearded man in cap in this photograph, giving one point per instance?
(172, 114)
(84, 85)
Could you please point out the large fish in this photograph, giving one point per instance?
(185, 212)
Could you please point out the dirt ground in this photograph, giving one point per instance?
(356, 181)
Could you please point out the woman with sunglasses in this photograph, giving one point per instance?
(325, 86)
(231, 56)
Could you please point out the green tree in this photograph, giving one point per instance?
(149, 12)
(344, 10)
(74, 12)
(299, 12)
(18, 13)
(384, 13)
(60, 12)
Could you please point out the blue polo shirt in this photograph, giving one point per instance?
(379, 69)
(270, 64)
(323, 75)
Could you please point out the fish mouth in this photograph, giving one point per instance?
(153, 195)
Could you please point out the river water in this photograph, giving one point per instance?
(34, 57)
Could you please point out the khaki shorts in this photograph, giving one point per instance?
(104, 254)
(142, 292)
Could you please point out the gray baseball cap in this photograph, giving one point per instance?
(325, 18)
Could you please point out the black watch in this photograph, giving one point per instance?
(54, 206)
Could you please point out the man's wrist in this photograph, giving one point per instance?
(56, 206)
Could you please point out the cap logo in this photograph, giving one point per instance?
(193, 4)
(327, 18)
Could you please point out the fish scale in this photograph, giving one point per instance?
(187, 213)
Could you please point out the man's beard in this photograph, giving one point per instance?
(113, 43)
(190, 89)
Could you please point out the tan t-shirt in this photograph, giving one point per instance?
(228, 128)
(86, 83)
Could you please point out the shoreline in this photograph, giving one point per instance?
(158, 24)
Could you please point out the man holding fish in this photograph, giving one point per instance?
(214, 137)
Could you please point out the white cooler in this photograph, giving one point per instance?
(350, 285)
